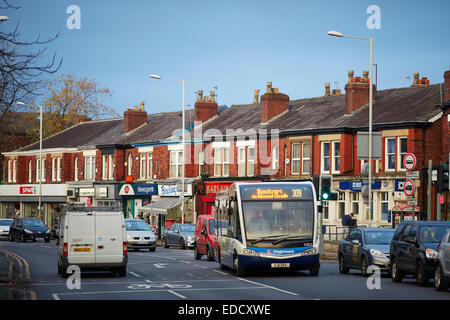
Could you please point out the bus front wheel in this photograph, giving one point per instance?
(238, 268)
(314, 271)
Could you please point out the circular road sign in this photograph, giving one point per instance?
(409, 188)
(409, 161)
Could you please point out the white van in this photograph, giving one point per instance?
(92, 238)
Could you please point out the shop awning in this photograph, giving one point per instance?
(161, 206)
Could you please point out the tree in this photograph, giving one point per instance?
(70, 102)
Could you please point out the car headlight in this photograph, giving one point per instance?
(27, 231)
(249, 252)
(431, 254)
(376, 253)
(48, 231)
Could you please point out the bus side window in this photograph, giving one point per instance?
(231, 220)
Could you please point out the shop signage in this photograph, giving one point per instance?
(129, 179)
(358, 185)
(86, 192)
(102, 192)
(213, 188)
(27, 190)
(32, 190)
(138, 190)
(174, 190)
(399, 185)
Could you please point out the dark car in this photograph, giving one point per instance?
(414, 249)
(28, 229)
(364, 247)
(179, 234)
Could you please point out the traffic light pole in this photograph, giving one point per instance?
(430, 183)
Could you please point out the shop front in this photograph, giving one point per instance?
(135, 196)
(23, 201)
(170, 190)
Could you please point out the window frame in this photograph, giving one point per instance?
(295, 159)
(306, 158)
(399, 153)
(335, 157)
(387, 154)
(323, 157)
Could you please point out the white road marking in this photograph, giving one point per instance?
(221, 272)
(177, 294)
(160, 265)
(134, 274)
(55, 296)
(267, 286)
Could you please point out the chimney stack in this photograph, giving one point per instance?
(133, 118)
(327, 90)
(447, 86)
(273, 103)
(205, 107)
(357, 92)
(420, 82)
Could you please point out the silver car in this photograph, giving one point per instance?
(139, 235)
(4, 227)
(179, 234)
(442, 268)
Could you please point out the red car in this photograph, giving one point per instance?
(205, 239)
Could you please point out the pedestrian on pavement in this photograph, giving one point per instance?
(347, 220)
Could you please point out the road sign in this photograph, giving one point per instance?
(434, 175)
(411, 202)
(409, 188)
(412, 175)
(409, 161)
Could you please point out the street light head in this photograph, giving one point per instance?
(154, 76)
(4, 18)
(20, 103)
(335, 34)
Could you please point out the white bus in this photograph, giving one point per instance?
(269, 225)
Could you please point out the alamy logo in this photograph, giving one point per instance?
(374, 20)
(74, 20)
(374, 281)
(74, 281)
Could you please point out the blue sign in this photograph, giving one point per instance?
(399, 185)
(357, 185)
(145, 189)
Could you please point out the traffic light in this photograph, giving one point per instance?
(325, 188)
(445, 185)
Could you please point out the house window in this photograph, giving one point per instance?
(241, 162)
(390, 154)
(384, 205)
(336, 157)
(325, 157)
(142, 165)
(250, 161)
(40, 172)
(305, 158)
(275, 158)
(221, 162)
(402, 151)
(326, 210)
(10, 170)
(89, 168)
(149, 164)
(76, 169)
(355, 203)
(30, 171)
(53, 169)
(176, 164)
(341, 205)
(58, 169)
(295, 166)
(130, 164)
(226, 162)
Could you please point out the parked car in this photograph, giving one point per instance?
(93, 238)
(205, 238)
(442, 269)
(179, 234)
(28, 229)
(364, 247)
(140, 235)
(4, 227)
(413, 249)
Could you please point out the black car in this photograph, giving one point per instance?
(28, 229)
(414, 248)
(364, 247)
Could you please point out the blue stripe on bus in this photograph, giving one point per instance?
(279, 251)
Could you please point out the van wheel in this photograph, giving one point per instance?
(439, 281)
(64, 272)
(122, 271)
(59, 269)
(421, 276)
(210, 254)
(152, 249)
(396, 274)
(197, 255)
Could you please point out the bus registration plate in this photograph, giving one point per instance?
(280, 265)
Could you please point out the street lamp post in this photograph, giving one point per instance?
(3, 18)
(370, 39)
(40, 155)
(154, 76)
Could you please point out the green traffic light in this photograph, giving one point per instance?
(325, 196)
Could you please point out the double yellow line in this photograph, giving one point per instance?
(24, 269)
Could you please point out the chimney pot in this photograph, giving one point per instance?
(327, 90)
(212, 95)
(200, 95)
(142, 105)
(275, 90)
(416, 78)
(350, 76)
(269, 87)
(256, 96)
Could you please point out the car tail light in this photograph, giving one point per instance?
(65, 249)
(125, 252)
(439, 245)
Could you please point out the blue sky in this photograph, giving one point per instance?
(236, 45)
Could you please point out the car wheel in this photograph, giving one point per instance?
(64, 272)
(59, 269)
(210, 254)
(22, 238)
(197, 255)
(238, 268)
(165, 245)
(439, 281)
(421, 276)
(314, 272)
(182, 244)
(152, 249)
(10, 237)
(364, 266)
(396, 274)
(342, 268)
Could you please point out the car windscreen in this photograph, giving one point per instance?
(32, 223)
(136, 225)
(433, 234)
(6, 222)
(187, 227)
(378, 237)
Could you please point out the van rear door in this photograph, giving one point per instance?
(81, 237)
(109, 237)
